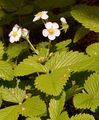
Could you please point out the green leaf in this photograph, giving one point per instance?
(15, 95)
(10, 113)
(52, 83)
(29, 66)
(6, 72)
(87, 15)
(56, 106)
(33, 107)
(1, 50)
(80, 33)
(66, 59)
(90, 98)
(82, 117)
(93, 50)
(15, 49)
(63, 44)
(63, 116)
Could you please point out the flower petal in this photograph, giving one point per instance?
(45, 33)
(57, 32)
(44, 16)
(36, 18)
(55, 25)
(51, 37)
(49, 25)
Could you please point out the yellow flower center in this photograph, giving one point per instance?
(14, 34)
(51, 30)
(39, 14)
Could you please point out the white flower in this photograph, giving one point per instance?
(25, 32)
(42, 15)
(63, 20)
(15, 34)
(52, 30)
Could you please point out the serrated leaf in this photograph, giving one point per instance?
(15, 49)
(82, 117)
(66, 59)
(6, 72)
(56, 106)
(93, 50)
(80, 33)
(52, 83)
(33, 106)
(90, 98)
(15, 95)
(1, 50)
(87, 15)
(63, 116)
(29, 66)
(10, 113)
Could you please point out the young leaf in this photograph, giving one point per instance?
(52, 83)
(1, 50)
(10, 113)
(56, 106)
(6, 72)
(80, 33)
(82, 117)
(15, 49)
(29, 66)
(87, 15)
(15, 95)
(90, 98)
(93, 50)
(33, 107)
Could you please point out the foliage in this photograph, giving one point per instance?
(44, 79)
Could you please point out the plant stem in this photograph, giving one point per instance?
(32, 47)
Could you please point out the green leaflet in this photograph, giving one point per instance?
(80, 33)
(56, 106)
(33, 118)
(52, 83)
(10, 113)
(63, 116)
(82, 117)
(67, 59)
(1, 50)
(4, 71)
(87, 15)
(33, 106)
(15, 49)
(90, 98)
(29, 66)
(15, 95)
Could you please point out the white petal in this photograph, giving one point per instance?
(45, 12)
(15, 28)
(63, 20)
(10, 33)
(49, 25)
(36, 18)
(45, 33)
(25, 32)
(55, 25)
(44, 16)
(57, 32)
(12, 39)
(51, 37)
(19, 32)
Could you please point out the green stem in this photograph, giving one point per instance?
(49, 46)
(32, 47)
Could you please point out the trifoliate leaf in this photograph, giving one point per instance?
(33, 107)
(93, 50)
(15, 49)
(56, 107)
(1, 50)
(87, 15)
(29, 66)
(90, 98)
(67, 59)
(80, 33)
(10, 113)
(82, 117)
(15, 95)
(52, 83)
(6, 72)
